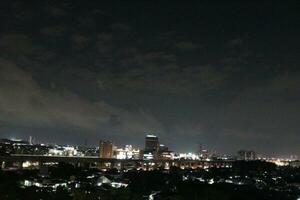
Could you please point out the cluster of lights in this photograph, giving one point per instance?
(29, 183)
(279, 162)
(189, 156)
(64, 151)
(127, 153)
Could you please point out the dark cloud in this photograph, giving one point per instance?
(54, 31)
(120, 27)
(190, 73)
(187, 46)
(23, 102)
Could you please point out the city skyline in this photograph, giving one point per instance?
(202, 149)
(222, 75)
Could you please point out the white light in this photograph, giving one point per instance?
(25, 164)
(27, 183)
(118, 185)
(151, 136)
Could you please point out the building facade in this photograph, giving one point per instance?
(105, 149)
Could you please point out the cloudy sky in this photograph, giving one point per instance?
(223, 75)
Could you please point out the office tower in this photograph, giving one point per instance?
(163, 147)
(246, 155)
(151, 143)
(151, 147)
(200, 148)
(30, 140)
(105, 149)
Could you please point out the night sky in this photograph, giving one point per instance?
(226, 75)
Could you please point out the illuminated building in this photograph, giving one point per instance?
(204, 154)
(105, 149)
(189, 156)
(164, 153)
(56, 152)
(148, 155)
(132, 153)
(64, 151)
(127, 153)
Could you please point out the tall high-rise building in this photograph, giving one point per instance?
(151, 147)
(246, 155)
(200, 148)
(30, 140)
(105, 149)
(163, 147)
(151, 143)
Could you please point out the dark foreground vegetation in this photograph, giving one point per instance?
(246, 180)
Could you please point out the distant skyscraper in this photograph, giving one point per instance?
(105, 149)
(151, 147)
(164, 153)
(246, 155)
(30, 140)
(200, 148)
(151, 143)
(163, 148)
